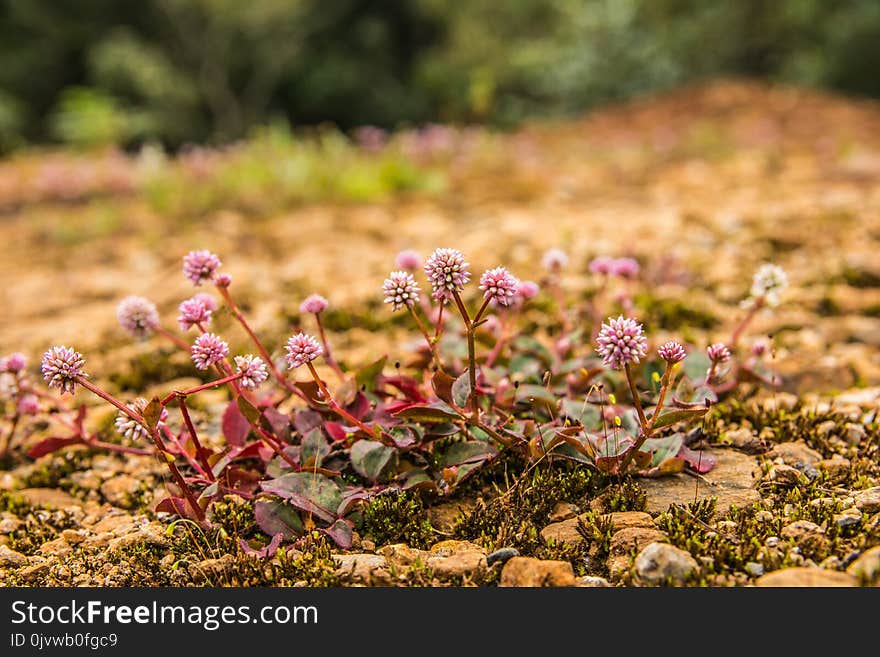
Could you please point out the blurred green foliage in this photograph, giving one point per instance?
(91, 72)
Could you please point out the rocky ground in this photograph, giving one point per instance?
(700, 185)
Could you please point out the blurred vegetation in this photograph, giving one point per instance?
(97, 72)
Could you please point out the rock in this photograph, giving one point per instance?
(785, 475)
(58, 547)
(502, 555)
(731, 482)
(562, 511)
(795, 453)
(867, 567)
(527, 571)
(754, 569)
(120, 524)
(863, 397)
(444, 517)
(588, 582)
(35, 571)
(49, 498)
(151, 534)
(633, 539)
(402, 555)
(806, 577)
(361, 567)
(9, 525)
(628, 519)
(659, 563)
(449, 547)
(745, 440)
(854, 433)
(72, 536)
(458, 564)
(214, 568)
(836, 469)
(120, 490)
(11, 558)
(848, 518)
(806, 535)
(868, 500)
(87, 480)
(562, 533)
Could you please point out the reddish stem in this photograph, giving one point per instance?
(205, 386)
(165, 333)
(200, 451)
(327, 355)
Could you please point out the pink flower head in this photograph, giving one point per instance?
(253, 371)
(400, 290)
(409, 260)
(447, 271)
(207, 299)
(603, 265)
(301, 349)
(759, 347)
(223, 280)
(527, 290)
(718, 353)
(554, 260)
(199, 266)
(625, 268)
(672, 352)
(208, 349)
(499, 285)
(14, 363)
(61, 366)
(314, 304)
(130, 429)
(28, 405)
(621, 341)
(193, 312)
(138, 316)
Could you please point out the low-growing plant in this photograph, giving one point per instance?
(308, 455)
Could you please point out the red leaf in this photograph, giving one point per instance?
(697, 460)
(53, 444)
(335, 430)
(176, 505)
(235, 425)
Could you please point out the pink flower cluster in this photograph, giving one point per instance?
(621, 267)
(301, 349)
(621, 341)
(61, 367)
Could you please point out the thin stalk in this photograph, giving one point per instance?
(190, 427)
(199, 388)
(635, 395)
(327, 355)
(175, 474)
(741, 327)
(264, 353)
(472, 359)
(664, 388)
(432, 345)
(336, 408)
(165, 333)
(275, 447)
(7, 438)
(122, 449)
(195, 465)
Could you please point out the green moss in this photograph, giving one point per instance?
(672, 314)
(235, 516)
(14, 504)
(397, 518)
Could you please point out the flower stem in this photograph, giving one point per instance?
(472, 359)
(327, 355)
(664, 388)
(190, 427)
(741, 327)
(165, 333)
(341, 412)
(205, 386)
(431, 343)
(638, 402)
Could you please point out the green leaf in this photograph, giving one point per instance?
(466, 452)
(152, 412)
(586, 414)
(696, 365)
(309, 492)
(663, 448)
(531, 392)
(276, 517)
(461, 390)
(373, 460)
(366, 376)
(251, 412)
(671, 417)
(313, 449)
(436, 412)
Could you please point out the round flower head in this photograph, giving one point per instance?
(554, 260)
(527, 289)
(314, 304)
(130, 429)
(14, 363)
(499, 285)
(400, 290)
(621, 341)
(718, 353)
(28, 405)
(208, 349)
(625, 267)
(447, 271)
(672, 352)
(768, 283)
(601, 265)
(192, 312)
(61, 366)
(253, 371)
(199, 266)
(409, 260)
(207, 299)
(138, 316)
(302, 349)
(223, 280)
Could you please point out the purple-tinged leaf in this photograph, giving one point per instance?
(341, 533)
(373, 460)
(436, 412)
(235, 425)
(417, 478)
(52, 444)
(350, 497)
(335, 430)
(305, 421)
(698, 460)
(461, 390)
(313, 449)
(309, 492)
(663, 448)
(360, 406)
(278, 422)
(277, 518)
(442, 383)
(264, 553)
(176, 505)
